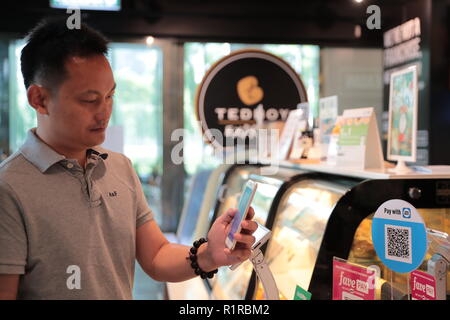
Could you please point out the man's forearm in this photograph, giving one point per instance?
(171, 263)
(9, 284)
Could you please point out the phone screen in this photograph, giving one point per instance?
(243, 202)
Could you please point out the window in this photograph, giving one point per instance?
(22, 117)
(138, 112)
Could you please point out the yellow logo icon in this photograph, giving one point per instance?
(248, 90)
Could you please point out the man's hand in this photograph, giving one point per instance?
(164, 261)
(219, 254)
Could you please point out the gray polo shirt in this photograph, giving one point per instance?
(70, 233)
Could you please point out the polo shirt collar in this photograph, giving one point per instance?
(43, 157)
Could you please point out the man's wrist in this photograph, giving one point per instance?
(205, 259)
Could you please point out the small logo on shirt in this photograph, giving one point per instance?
(112, 194)
(74, 280)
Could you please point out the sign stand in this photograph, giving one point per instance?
(328, 112)
(359, 143)
(400, 168)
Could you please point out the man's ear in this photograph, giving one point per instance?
(38, 98)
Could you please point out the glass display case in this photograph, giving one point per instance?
(324, 216)
(234, 284)
(208, 203)
(393, 285)
(231, 187)
(192, 207)
(319, 217)
(198, 209)
(297, 231)
(348, 234)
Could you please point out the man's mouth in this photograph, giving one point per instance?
(98, 129)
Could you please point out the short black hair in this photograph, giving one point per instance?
(51, 43)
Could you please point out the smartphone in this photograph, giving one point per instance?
(248, 192)
(262, 235)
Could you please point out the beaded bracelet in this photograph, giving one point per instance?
(193, 258)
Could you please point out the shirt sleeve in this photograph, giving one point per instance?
(144, 213)
(13, 237)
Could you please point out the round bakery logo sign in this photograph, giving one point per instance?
(244, 92)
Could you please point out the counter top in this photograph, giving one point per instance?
(423, 172)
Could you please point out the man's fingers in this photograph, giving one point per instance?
(249, 227)
(244, 238)
(240, 254)
(227, 217)
(250, 214)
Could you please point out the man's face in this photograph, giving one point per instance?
(79, 111)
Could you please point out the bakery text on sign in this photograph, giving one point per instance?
(243, 122)
(402, 43)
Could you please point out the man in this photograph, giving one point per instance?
(73, 217)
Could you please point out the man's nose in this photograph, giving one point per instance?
(104, 112)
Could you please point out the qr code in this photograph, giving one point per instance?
(398, 243)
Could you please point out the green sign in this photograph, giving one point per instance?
(354, 132)
(301, 294)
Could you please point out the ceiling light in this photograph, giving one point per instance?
(150, 40)
(357, 31)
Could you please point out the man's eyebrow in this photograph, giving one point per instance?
(97, 92)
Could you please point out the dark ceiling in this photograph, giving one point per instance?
(314, 21)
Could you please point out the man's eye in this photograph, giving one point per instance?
(88, 101)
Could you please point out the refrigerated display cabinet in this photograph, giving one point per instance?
(210, 192)
(271, 189)
(298, 225)
(316, 216)
(324, 216)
